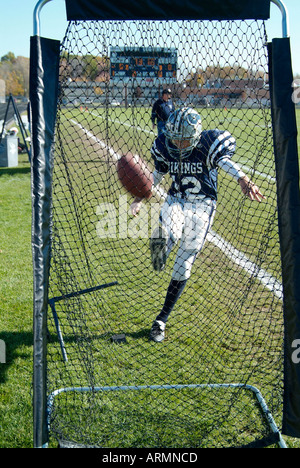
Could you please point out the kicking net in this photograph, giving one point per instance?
(208, 384)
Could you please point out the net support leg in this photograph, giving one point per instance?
(68, 296)
(58, 330)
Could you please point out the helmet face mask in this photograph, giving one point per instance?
(183, 132)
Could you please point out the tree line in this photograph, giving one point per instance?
(15, 73)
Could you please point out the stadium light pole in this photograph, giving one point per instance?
(36, 16)
(285, 17)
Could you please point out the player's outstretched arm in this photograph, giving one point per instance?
(250, 189)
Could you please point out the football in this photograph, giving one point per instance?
(135, 175)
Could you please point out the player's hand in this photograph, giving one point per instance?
(136, 206)
(250, 189)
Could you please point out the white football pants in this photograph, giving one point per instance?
(189, 223)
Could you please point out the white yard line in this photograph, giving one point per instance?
(243, 261)
(126, 124)
(229, 250)
(101, 143)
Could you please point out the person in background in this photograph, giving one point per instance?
(161, 110)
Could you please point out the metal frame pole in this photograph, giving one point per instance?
(285, 17)
(40, 171)
(36, 16)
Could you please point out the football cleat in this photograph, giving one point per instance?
(158, 248)
(157, 332)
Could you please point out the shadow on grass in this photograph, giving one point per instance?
(14, 341)
(14, 170)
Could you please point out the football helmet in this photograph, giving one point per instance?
(183, 125)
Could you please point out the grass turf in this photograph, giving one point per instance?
(16, 308)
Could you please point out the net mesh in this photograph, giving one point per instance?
(227, 326)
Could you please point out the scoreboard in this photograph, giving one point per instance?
(143, 63)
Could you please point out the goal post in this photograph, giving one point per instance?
(232, 350)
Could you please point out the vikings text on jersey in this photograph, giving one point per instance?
(196, 174)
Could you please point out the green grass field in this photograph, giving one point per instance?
(16, 283)
(223, 325)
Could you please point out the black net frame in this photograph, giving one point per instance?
(102, 290)
(95, 381)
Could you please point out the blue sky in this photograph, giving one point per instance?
(17, 25)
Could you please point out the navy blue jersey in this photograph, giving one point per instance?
(196, 174)
(161, 110)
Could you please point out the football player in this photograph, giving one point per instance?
(192, 157)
